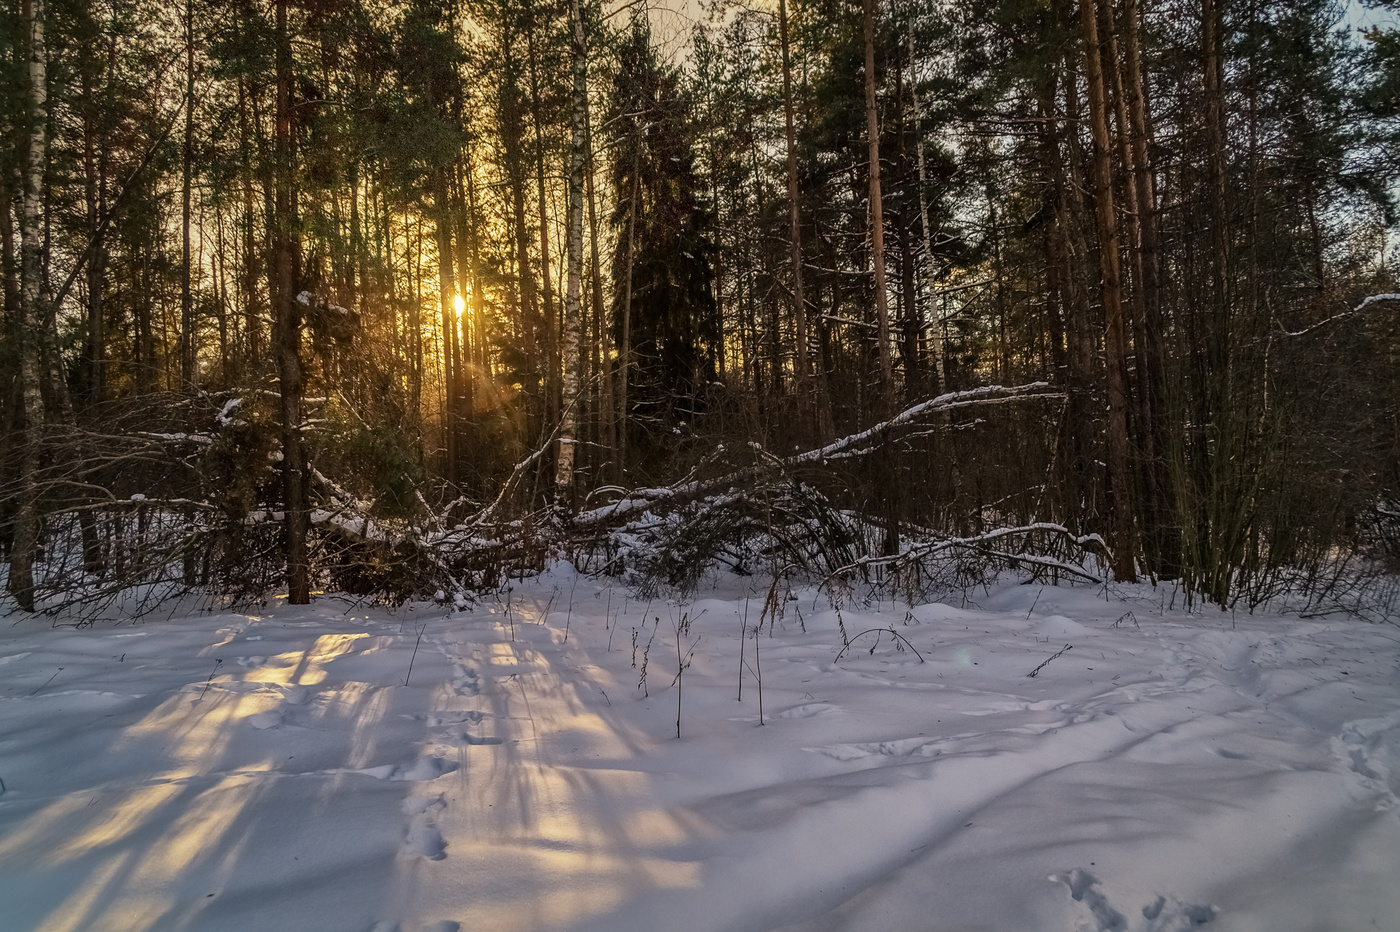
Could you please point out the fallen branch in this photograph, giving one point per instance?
(485, 514)
(991, 394)
(639, 501)
(1373, 299)
(933, 548)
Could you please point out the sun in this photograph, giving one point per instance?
(459, 304)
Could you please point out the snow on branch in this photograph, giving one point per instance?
(990, 394)
(1373, 299)
(638, 501)
(980, 542)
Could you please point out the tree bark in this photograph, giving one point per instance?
(607, 423)
(187, 328)
(1152, 354)
(936, 328)
(624, 356)
(447, 290)
(1111, 293)
(548, 312)
(31, 313)
(804, 387)
(288, 329)
(877, 217)
(573, 305)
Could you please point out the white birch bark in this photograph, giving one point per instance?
(31, 312)
(573, 310)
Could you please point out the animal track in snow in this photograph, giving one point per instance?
(468, 738)
(422, 837)
(265, 720)
(465, 681)
(295, 695)
(808, 710)
(1164, 914)
(1084, 888)
(424, 768)
(439, 719)
(899, 747)
(1168, 914)
(1370, 748)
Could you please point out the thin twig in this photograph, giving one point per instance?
(1067, 647)
(217, 662)
(415, 654)
(891, 630)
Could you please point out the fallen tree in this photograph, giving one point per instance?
(212, 524)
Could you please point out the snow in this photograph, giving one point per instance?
(225, 417)
(501, 766)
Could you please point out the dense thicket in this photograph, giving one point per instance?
(395, 295)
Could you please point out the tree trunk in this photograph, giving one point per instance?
(187, 328)
(447, 291)
(877, 217)
(31, 313)
(887, 476)
(468, 275)
(548, 312)
(1110, 289)
(607, 423)
(252, 327)
(936, 328)
(624, 358)
(288, 329)
(573, 294)
(1152, 354)
(803, 386)
(95, 176)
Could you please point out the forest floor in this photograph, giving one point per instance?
(499, 766)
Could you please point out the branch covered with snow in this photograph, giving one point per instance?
(1373, 299)
(980, 543)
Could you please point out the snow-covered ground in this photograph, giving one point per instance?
(289, 771)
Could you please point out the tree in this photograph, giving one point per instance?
(573, 303)
(663, 243)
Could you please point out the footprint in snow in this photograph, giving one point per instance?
(808, 710)
(295, 695)
(466, 682)
(899, 747)
(1168, 914)
(265, 720)
(439, 719)
(466, 737)
(421, 836)
(1370, 749)
(1164, 914)
(423, 769)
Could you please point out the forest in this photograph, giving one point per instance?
(400, 298)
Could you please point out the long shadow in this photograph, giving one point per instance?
(549, 833)
(159, 793)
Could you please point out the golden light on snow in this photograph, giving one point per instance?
(188, 815)
(530, 806)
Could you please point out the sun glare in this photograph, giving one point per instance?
(459, 304)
